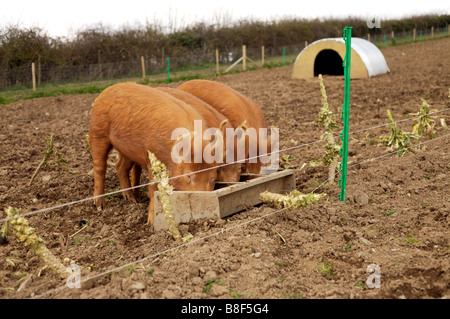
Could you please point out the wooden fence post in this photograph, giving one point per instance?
(244, 58)
(432, 32)
(39, 70)
(368, 37)
(143, 67)
(414, 34)
(306, 43)
(217, 61)
(33, 75)
(262, 56)
(392, 34)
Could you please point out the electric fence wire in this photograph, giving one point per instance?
(223, 230)
(199, 171)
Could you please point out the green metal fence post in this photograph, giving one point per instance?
(385, 41)
(420, 35)
(345, 113)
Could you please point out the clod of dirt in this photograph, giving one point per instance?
(360, 198)
(105, 230)
(210, 275)
(137, 286)
(383, 186)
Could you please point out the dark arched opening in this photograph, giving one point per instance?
(328, 62)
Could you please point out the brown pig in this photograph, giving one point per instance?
(135, 119)
(214, 119)
(237, 108)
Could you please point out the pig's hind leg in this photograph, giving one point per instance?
(136, 179)
(123, 167)
(100, 148)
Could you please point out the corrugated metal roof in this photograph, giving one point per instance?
(369, 53)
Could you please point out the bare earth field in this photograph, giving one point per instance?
(397, 213)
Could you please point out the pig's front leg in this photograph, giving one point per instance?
(151, 207)
(136, 179)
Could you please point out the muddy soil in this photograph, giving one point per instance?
(396, 216)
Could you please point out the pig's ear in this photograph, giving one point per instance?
(222, 126)
(242, 135)
(241, 130)
(243, 125)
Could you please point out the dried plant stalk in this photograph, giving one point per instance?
(423, 121)
(160, 173)
(27, 236)
(49, 152)
(326, 116)
(330, 158)
(326, 120)
(47, 155)
(399, 140)
(294, 199)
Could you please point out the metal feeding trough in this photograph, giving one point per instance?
(225, 199)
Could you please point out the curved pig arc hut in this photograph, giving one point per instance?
(325, 57)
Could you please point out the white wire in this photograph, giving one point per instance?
(199, 171)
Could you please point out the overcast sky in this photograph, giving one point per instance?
(64, 18)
